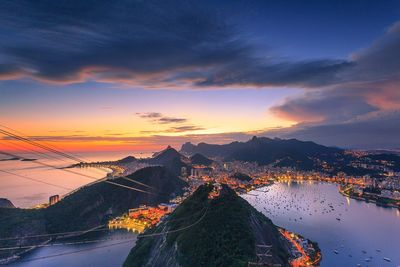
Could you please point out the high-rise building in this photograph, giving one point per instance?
(53, 199)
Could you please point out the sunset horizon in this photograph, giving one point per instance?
(183, 133)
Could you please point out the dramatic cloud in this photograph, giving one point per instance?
(188, 44)
(151, 44)
(363, 106)
(332, 106)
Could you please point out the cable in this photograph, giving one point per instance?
(179, 229)
(60, 244)
(77, 251)
(39, 153)
(40, 145)
(57, 234)
(84, 175)
(129, 179)
(100, 240)
(33, 179)
(51, 149)
(22, 134)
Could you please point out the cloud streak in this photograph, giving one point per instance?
(160, 118)
(362, 107)
(69, 42)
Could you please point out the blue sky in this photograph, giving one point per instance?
(226, 69)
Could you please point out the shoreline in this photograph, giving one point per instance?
(343, 192)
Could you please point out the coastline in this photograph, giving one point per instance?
(378, 201)
(16, 256)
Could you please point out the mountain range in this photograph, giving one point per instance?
(263, 150)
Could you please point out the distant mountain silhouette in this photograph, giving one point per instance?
(171, 159)
(200, 160)
(263, 150)
(5, 203)
(127, 159)
(90, 206)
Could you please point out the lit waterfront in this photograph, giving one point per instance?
(360, 232)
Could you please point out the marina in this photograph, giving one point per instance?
(348, 232)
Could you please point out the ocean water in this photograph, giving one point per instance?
(111, 252)
(25, 193)
(362, 233)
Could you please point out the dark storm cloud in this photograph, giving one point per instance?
(145, 43)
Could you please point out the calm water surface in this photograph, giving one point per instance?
(109, 253)
(365, 233)
(25, 193)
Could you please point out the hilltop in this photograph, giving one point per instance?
(199, 159)
(171, 159)
(89, 207)
(263, 150)
(222, 231)
(5, 203)
(92, 205)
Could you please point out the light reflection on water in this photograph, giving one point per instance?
(318, 212)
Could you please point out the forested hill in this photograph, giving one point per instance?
(89, 207)
(222, 231)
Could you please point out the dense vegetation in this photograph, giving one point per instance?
(90, 206)
(223, 236)
(20, 222)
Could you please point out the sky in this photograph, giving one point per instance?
(140, 75)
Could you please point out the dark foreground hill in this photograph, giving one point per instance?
(199, 159)
(89, 207)
(5, 203)
(223, 231)
(263, 150)
(171, 159)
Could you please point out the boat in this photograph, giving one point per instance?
(336, 252)
(387, 259)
